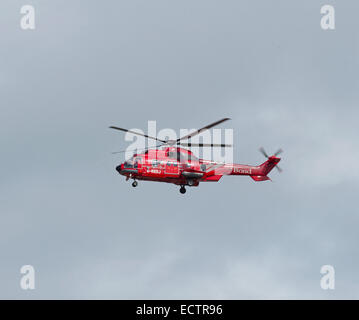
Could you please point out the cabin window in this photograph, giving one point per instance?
(177, 155)
(172, 155)
(181, 156)
(155, 163)
(191, 157)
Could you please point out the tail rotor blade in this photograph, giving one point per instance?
(261, 149)
(279, 168)
(278, 152)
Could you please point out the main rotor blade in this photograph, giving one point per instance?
(261, 149)
(194, 133)
(141, 149)
(189, 144)
(134, 132)
(278, 152)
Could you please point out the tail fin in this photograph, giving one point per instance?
(265, 168)
(268, 165)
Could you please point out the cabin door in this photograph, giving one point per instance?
(171, 167)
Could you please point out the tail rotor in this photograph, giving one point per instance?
(279, 151)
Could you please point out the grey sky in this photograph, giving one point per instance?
(266, 64)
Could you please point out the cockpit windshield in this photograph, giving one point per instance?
(133, 162)
(129, 163)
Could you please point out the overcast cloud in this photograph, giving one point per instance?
(268, 65)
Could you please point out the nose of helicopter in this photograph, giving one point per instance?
(118, 169)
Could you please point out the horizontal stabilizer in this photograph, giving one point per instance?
(260, 178)
(213, 178)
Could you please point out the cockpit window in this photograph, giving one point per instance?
(137, 162)
(172, 155)
(129, 163)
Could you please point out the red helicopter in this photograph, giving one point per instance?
(173, 164)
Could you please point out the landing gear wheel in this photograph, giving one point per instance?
(183, 190)
(134, 184)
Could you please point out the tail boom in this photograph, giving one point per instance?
(257, 173)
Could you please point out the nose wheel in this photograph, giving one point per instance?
(134, 184)
(183, 189)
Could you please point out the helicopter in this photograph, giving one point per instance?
(179, 166)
